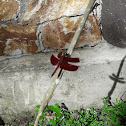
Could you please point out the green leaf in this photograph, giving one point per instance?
(57, 110)
(112, 122)
(117, 100)
(113, 117)
(38, 106)
(31, 124)
(92, 111)
(111, 109)
(53, 121)
(51, 107)
(105, 110)
(86, 123)
(119, 112)
(45, 110)
(58, 114)
(42, 116)
(56, 105)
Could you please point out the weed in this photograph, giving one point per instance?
(109, 115)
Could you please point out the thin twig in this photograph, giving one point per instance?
(80, 27)
(56, 79)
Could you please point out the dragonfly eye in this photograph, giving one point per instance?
(60, 54)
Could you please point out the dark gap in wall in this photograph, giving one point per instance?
(2, 122)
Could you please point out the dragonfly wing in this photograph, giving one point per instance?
(54, 60)
(60, 54)
(67, 66)
(68, 59)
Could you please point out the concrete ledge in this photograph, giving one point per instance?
(25, 80)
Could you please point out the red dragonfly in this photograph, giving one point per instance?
(62, 62)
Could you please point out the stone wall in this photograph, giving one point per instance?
(31, 26)
(28, 26)
(25, 80)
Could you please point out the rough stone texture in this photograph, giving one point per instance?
(17, 39)
(57, 34)
(44, 10)
(21, 11)
(114, 22)
(25, 80)
(8, 9)
(43, 16)
(2, 46)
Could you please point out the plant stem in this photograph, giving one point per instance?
(56, 79)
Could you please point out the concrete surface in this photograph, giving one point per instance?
(25, 80)
(113, 20)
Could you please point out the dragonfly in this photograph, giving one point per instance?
(62, 62)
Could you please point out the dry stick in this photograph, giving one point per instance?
(80, 27)
(56, 79)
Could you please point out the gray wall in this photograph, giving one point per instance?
(114, 22)
(24, 81)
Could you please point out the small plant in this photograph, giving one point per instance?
(114, 115)
(60, 116)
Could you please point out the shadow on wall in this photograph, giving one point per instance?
(116, 78)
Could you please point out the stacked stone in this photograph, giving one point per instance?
(35, 25)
